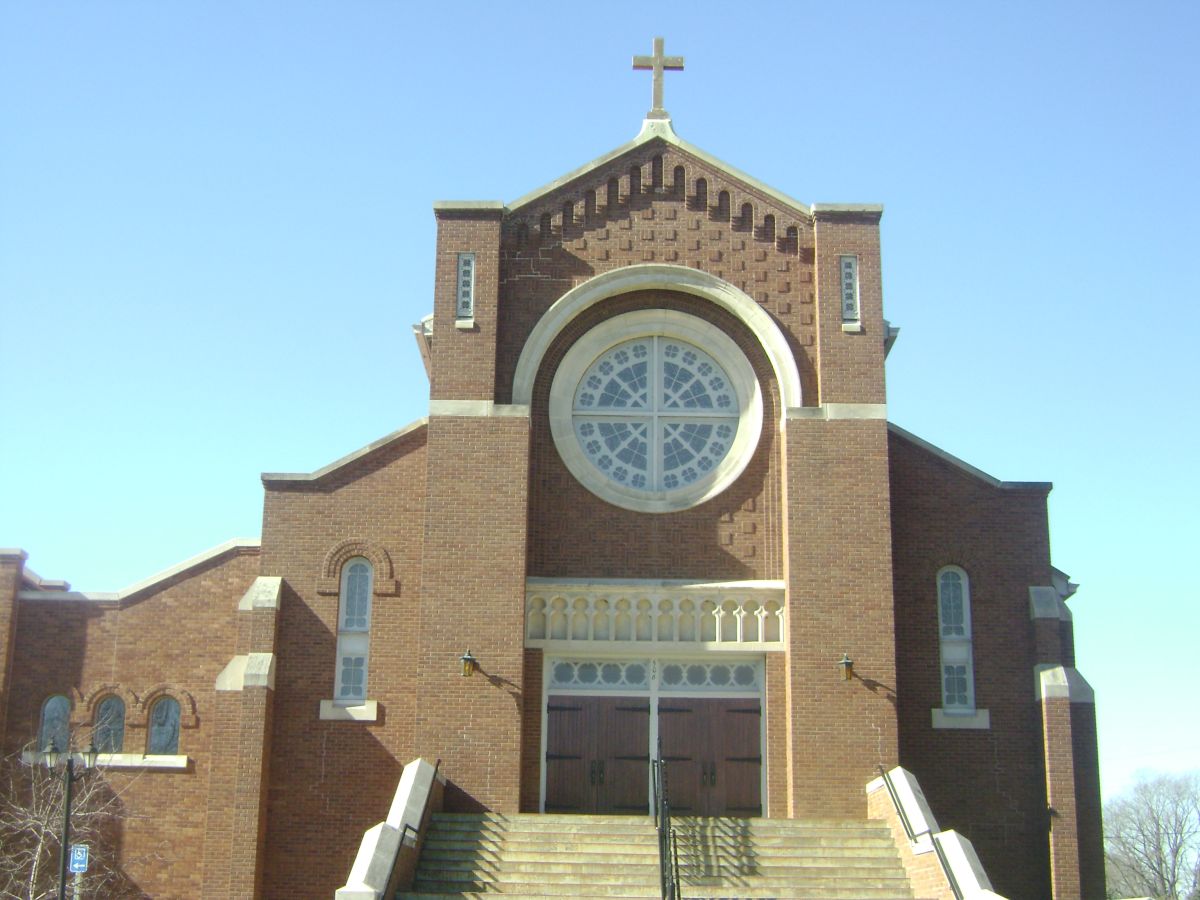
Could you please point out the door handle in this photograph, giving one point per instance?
(592, 773)
(600, 768)
(712, 774)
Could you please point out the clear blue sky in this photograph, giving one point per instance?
(215, 233)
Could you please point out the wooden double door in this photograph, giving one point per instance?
(598, 754)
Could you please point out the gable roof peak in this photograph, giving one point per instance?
(661, 130)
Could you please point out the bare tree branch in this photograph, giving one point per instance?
(1152, 839)
(31, 814)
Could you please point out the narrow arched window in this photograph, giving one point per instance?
(769, 228)
(545, 230)
(164, 727)
(108, 729)
(354, 637)
(678, 177)
(656, 173)
(954, 632)
(56, 723)
(614, 194)
(635, 182)
(700, 201)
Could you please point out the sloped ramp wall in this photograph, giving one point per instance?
(934, 875)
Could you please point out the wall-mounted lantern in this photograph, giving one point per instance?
(846, 664)
(469, 664)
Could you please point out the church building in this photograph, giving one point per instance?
(656, 508)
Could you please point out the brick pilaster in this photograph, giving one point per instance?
(472, 597)
(12, 563)
(1072, 784)
(839, 584)
(236, 827)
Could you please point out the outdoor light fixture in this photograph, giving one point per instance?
(469, 664)
(52, 755)
(846, 664)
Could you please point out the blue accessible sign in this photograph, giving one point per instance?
(79, 857)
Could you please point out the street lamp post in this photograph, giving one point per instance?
(53, 754)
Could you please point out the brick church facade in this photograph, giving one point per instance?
(658, 500)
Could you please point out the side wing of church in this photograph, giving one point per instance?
(656, 509)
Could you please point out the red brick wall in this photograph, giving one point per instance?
(330, 780)
(11, 567)
(464, 361)
(986, 784)
(180, 637)
(851, 365)
(735, 535)
(1087, 800)
(839, 580)
(473, 597)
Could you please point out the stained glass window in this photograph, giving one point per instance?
(108, 732)
(164, 727)
(354, 640)
(655, 413)
(56, 727)
(954, 629)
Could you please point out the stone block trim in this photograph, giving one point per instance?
(933, 871)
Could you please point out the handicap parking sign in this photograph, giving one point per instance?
(79, 857)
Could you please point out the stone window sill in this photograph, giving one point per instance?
(852, 328)
(364, 712)
(124, 760)
(979, 719)
(464, 324)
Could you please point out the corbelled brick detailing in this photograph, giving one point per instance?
(672, 222)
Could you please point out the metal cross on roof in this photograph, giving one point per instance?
(658, 64)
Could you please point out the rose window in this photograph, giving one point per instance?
(655, 413)
(655, 410)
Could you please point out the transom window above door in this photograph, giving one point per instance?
(655, 410)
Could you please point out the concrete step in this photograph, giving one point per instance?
(687, 893)
(531, 855)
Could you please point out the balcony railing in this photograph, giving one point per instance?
(721, 615)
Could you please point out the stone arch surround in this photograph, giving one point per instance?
(658, 277)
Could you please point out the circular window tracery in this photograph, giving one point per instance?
(655, 410)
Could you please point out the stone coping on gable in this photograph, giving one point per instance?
(233, 546)
(979, 474)
(271, 478)
(663, 130)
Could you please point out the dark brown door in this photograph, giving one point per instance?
(713, 749)
(597, 758)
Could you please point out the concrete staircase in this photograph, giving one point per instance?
(531, 855)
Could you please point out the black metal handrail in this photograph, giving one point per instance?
(912, 836)
(668, 851)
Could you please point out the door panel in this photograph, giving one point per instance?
(597, 755)
(567, 759)
(713, 750)
(680, 732)
(738, 791)
(622, 748)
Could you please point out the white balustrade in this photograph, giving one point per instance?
(743, 615)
